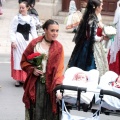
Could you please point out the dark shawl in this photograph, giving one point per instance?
(54, 72)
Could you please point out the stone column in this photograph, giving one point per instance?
(47, 8)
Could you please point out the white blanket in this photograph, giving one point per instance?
(69, 95)
(110, 102)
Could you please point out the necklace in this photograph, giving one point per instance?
(47, 40)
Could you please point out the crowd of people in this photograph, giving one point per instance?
(39, 81)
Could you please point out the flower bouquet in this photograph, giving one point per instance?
(109, 31)
(36, 60)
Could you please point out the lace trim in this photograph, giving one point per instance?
(100, 58)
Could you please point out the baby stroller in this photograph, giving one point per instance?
(81, 99)
(32, 11)
(66, 115)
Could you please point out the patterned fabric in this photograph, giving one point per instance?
(100, 58)
(54, 72)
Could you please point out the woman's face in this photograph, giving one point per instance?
(23, 9)
(52, 32)
(80, 77)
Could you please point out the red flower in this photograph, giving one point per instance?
(36, 60)
(33, 55)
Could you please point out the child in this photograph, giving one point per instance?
(81, 76)
(117, 82)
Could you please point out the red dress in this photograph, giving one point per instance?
(115, 66)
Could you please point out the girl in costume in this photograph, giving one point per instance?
(22, 31)
(88, 52)
(39, 97)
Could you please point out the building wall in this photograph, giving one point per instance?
(48, 8)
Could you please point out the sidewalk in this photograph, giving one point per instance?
(10, 9)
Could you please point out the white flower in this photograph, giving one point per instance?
(109, 30)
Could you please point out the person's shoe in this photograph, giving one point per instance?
(21, 83)
(74, 31)
(17, 84)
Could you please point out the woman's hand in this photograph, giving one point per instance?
(58, 95)
(105, 38)
(14, 45)
(37, 72)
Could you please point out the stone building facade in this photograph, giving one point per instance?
(48, 8)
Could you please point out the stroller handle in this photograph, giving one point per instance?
(108, 92)
(68, 87)
(74, 88)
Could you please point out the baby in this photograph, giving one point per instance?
(81, 76)
(117, 82)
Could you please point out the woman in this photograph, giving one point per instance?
(39, 97)
(114, 54)
(88, 52)
(22, 31)
(73, 17)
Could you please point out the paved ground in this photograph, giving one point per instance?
(11, 106)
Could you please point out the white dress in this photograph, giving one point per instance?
(74, 17)
(19, 39)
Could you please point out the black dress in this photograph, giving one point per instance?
(82, 55)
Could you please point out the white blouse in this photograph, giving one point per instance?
(22, 20)
(41, 50)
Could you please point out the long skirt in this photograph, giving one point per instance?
(18, 75)
(42, 110)
(81, 58)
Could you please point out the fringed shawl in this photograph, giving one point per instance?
(54, 72)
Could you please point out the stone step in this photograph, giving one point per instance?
(59, 19)
(107, 19)
(62, 15)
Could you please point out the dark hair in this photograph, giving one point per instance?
(80, 35)
(26, 3)
(90, 9)
(49, 22)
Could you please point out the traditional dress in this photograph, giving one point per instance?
(22, 31)
(114, 54)
(39, 98)
(89, 54)
(73, 19)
